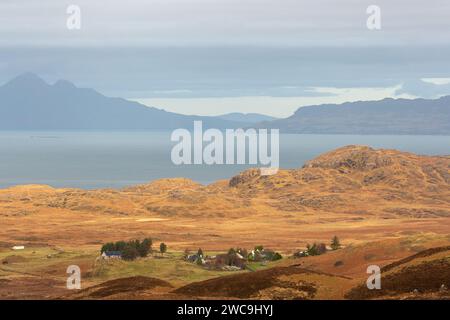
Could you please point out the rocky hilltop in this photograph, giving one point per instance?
(389, 181)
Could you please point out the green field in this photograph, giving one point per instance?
(52, 263)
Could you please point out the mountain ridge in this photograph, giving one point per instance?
(27, 102)
(386, 116)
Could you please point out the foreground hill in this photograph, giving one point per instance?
(280, 283)
(425, 275)
(388, 116)
(29, 103)
(123, 288)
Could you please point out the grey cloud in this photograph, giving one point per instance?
(225, 71)
(223, 22)
(423, 89)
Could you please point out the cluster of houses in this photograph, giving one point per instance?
(235, 259)
(238, 259)
(227, 261)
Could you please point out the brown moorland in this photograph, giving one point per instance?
(384, 205)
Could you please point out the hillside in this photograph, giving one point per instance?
(385, 183)
(279, 283)
(374, 191)
(425, 275)
(387, 116)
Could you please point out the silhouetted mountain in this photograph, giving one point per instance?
(246, 117)
(29, 103)
(388, 116)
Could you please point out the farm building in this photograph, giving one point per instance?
(112, 255)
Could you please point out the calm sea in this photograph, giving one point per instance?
(117, 159)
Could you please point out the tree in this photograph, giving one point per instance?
(129, 250)
(120, 245)
(149, 241)
(129, 253)
(200, 253)
(162, 248)
(108, 247)
(144, 247)
(335, 244)
(312, 250)
(135, 243)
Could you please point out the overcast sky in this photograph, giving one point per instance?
(218, 56)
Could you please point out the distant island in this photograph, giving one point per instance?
(387, 116)
(29, 103)
(247, 117)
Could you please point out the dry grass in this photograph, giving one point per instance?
(384, 205)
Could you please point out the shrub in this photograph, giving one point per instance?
(335, 244)
(276, 256)
(316, 249)
(338, 263)
(162, 247)
(108, 247)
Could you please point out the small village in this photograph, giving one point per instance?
(234, 260)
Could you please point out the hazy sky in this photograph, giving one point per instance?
(218, 56)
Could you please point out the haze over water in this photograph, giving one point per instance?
(91, 160)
